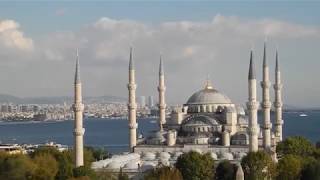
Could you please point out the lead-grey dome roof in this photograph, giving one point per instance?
(208, 95)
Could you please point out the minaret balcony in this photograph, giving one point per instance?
(265, 84)
(77, 107)
(132, 106)
(161, 88)
(267, 126)
(132, 86)
(252, 105)
(266, 104)
(277, 104)
(133, 125)
(277, 86)
(253, 130)
(79, 132)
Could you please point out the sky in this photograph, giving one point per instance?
(38, 41)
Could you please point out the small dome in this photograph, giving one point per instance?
(240, 110)
(177, 154)
(226, 156)
(149, 156)
(164, 155)
(131, 165)
(208, 95)
(198, 150)
(147, 166)
(114, 165)
(214, 156)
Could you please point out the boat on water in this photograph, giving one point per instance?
(303, 115)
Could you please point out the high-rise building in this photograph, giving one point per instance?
(142, 101)
(150, 102)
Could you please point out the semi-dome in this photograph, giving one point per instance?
(208, 95)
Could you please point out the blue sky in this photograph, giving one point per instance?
(38, 41)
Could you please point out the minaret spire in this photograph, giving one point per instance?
(161, 90)
(78, 115)
(77, 72)
(278, 102)
(252, 106)
(266, 104)
(132, 106)
(131, 62)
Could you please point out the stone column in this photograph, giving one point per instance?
(252, 106)
(132, 106)
(161, 90)
(278, 102)
(78, 115)
(266, 104)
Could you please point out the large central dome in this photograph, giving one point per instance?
(208, 95)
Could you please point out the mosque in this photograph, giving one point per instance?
(209, 122)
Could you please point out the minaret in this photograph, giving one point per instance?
(278, 102)
(78, 114)
(161, 90)
(266, 104)
(239, 173)
(252, 106)
(132, 106)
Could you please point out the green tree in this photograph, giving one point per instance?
(296, 145)
(98, 153)
(83, 171)
(47, 167)
(163, 173)
(225, 171)
(122, 176)
(289, 167)
(16, 167)
(258, 165)
(194, 166)
(64, 159)
(311, 171)
(65, 166)
(106, 175)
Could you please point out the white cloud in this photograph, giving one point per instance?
(12, 37)
(190, 49)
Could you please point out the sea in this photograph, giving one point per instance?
(112, 134)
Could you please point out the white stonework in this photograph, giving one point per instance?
(266, 104)
(132, 106)
(161, 90)
(278, 102)
(78, 114)
(252, 107)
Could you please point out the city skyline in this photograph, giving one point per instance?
(39, 61)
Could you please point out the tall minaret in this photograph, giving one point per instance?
(252, 106)
(278, 102)
(78, 114)
(161, 90)
(266, 104)
(132, 106)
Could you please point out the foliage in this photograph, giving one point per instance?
(16, 167)
(163, 173)
(225, 171)
(47, 167)
(296, 145)
(122, 176)
(258, 165)
(83, 171)
(311, 171)
(194, 166)
(318, 144)
(65, 166)
(105, 175)
(289, 167)
(98, 153)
